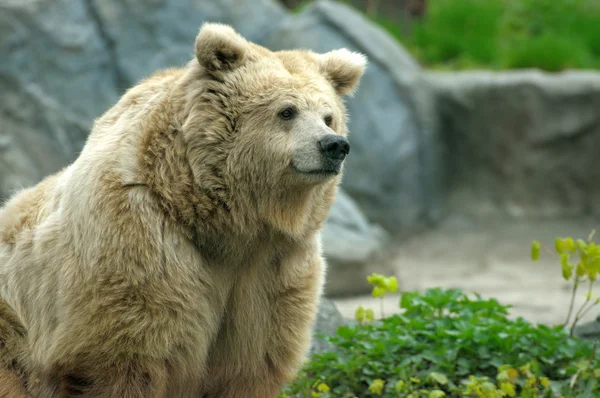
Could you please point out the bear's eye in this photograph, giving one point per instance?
(328, 120)
(287, 113)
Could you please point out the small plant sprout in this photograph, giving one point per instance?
(382, 285)
(580, 264)
(364, 315)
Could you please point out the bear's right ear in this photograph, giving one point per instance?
(220, 48)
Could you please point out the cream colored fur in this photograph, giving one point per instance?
(179, 255)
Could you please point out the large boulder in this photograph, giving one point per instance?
(55, 77)
(144, 36)
(38, 135)
(589, 330)
(523, 143)
(392, 169)
(353, 248)
(328, 321)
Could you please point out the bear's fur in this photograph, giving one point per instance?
(179, 255)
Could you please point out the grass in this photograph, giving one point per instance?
(552, 35)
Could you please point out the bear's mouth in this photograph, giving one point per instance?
(321, 173)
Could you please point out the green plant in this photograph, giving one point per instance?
(585, 270)
(446, 343)
(552, 35)
(554, 53)
(382, 285)
(456, 30)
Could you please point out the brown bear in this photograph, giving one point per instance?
(179, 255)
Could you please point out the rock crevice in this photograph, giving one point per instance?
(119, 78)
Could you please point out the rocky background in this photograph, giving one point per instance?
(426, 146)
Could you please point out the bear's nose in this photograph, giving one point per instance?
(335, 147)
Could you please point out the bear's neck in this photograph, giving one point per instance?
(168, 173)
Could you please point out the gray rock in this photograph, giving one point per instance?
(38, 136)
(392, 169)
(328, 321)
(588, 330)
(145, 36)
(353, 249)
(55, 78)
(522, 143)
(56, 46)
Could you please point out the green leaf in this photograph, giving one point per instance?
(436, 394)
(570, 245)
(559, 245)
(359, 314)
(535, 250)
(439, 378)
(346, 332)
(566, 245)
(379, 291)
(391, 284)
(567, 267)
(376, 279)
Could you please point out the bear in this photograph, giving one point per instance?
(179, 254)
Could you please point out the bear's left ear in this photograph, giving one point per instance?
(220, 48)
(343, 69)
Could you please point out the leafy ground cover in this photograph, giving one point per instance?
(552, 35)
(447, 343)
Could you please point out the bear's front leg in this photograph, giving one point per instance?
(293, 315)
(12, 341)
(293, 308)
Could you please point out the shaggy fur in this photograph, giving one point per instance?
(179, 255)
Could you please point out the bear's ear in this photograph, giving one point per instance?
(343, 69)
(220, 48)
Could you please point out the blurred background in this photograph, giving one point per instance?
(476, 128)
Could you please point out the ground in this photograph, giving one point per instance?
(492, 258)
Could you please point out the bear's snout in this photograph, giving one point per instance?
(334, 147)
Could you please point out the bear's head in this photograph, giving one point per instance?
(267, 130)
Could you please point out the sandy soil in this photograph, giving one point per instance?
(491, 258)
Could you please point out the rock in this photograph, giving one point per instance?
(328, 321)
(588, 330)
(55, 78)
(522, 143)
(392, 170)
(38, 135)
(144, 36)
(353, 249)
(56, 46)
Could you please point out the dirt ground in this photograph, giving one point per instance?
(491, 258)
